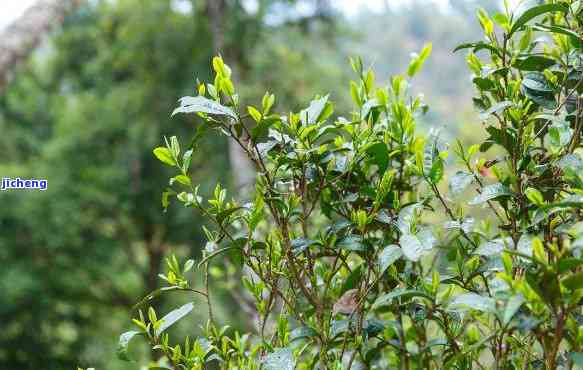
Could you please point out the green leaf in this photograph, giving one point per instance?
(124, 343)
(200, 104)
(279, 359)
(217, 252)
(388, 256)
(473, 301)
(367, 107)
(222, 216)
(535, 12)
(163, 154)
(512, 307)
(254, 113)
(533, 63)
(299, 245)
(535, 87)
(184, 180)
(314, 111)
(353, 279)
(148, 298)
(262, 128)
(459, 182)
(415, 246)
(557, 29)
(352, 243)
(418, 61)
(387, 298)
(569, 263)
(496, 108)
(560, 133)
(436, 172)
(490, 192)
(172, 317)
(534, 196)
(574, 281)
(302, 332)
(379, 154)
(490, 248)
(477, 46)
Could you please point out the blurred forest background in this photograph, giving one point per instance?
(87, 107)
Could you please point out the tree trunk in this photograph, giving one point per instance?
(26, 33)
(242, 169)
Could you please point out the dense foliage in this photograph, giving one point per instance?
(353, 251)
(84, 113)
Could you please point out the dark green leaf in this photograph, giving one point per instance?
(566, 264)
(535, 12)
(222, 216)
(387, 298)
(301, 244)
(536, 88)
(436, 172)
(574, 281)
(380, 155)
(302, 332)
(352, 243)
(533, 63)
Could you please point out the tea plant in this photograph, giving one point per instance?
(353, 248)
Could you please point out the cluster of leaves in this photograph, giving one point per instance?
(354, 252)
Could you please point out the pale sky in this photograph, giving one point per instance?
(11, 9)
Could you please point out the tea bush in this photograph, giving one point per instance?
(354, 250)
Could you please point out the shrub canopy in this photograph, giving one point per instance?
(357, 253)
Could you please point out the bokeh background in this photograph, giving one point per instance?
(88, 95)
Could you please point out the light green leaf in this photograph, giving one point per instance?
(124, 343)
(312, 113)
(163, 154)
(492, 247)
(415, 246)
(459, 182)
(302, 332)
(254, 113)
(172, 317)
(418, 61)
(490, 192)
(200, 104)
(473, 301)
(279, 359)
(512, 307)
(496, 108)
(388, 256)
